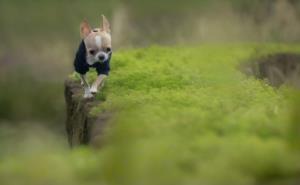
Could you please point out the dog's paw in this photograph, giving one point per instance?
(94, 90)
(88, 95)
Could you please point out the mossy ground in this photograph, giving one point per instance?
(182, 115)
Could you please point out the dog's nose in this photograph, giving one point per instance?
(101, 57)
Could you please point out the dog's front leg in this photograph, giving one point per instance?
(87, 92)
(99, 81)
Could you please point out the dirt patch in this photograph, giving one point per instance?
(81, 126)
(276, 69)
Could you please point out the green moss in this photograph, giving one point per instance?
(194, 108)
(181, 116)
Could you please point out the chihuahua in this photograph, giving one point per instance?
(94, 51)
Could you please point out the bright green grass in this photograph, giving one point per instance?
(181, 116)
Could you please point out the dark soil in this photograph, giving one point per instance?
(81, 126)
(277, 69)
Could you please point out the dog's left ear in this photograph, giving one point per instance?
(105, 24)
(85, 29)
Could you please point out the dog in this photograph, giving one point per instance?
(94, 51)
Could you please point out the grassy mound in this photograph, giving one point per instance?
(181, 116)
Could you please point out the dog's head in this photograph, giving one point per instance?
(97, 41)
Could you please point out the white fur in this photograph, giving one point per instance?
(94, 89)
(91, 59)
(87, 92)
(98, 41)
(99, 81)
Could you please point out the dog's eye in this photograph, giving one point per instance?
(108, 49)
(92, 52)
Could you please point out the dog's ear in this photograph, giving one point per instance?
(85, 29)
(105, 24)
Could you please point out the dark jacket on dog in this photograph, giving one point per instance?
(81, 65)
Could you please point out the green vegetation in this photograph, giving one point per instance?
(181, 116)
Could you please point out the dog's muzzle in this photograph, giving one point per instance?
(102, 56)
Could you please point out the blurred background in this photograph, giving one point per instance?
(38, 39)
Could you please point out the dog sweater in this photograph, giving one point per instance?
(82, 67)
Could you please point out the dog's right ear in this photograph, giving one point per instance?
(105, 24)
(85, 29)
